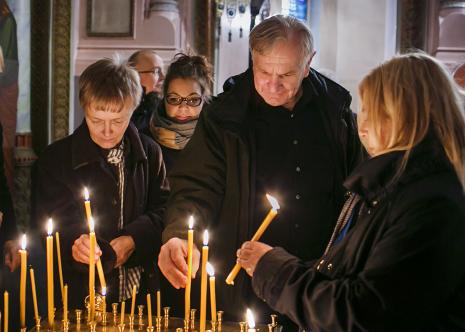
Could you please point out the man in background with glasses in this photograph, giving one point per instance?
(149, 65)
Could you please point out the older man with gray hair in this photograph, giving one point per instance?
(279, 128)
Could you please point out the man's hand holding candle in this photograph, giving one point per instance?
(81, 249)
(250, 253)
(173, 261)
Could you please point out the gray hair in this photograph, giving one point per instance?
(280, 27)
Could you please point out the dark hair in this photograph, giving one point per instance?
(190, 66)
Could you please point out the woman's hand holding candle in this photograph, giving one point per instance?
(250, 253)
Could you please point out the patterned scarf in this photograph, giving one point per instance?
(128, 277)
(171, 134)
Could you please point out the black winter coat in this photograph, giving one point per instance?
(400, 268)
(75, 162)
(214, 178)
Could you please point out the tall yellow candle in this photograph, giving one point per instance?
(133, 300)
(190, 246)
(158, 304)
(5, 311)
(123, 305)
(50, 300)
(22, 283)
(60, 269)
(34, 294)
(65, 303)
(101, 275)
(92, 270)
(149, 310)
(211, 273)
(258, 234)
(203, 283)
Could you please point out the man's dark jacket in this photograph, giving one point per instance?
(400, 268)
(75, 162)
(214, 177)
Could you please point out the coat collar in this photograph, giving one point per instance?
(232, 106)
(84, 151)
(375, 177)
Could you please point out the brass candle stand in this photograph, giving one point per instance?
(77, 323)
(219, 315)
(114, 308)
(192, 319)
(140, 315)
(37, 320)
(158, 323)
(78, 313)
(65, 325)
(166, 318)
(131, 322)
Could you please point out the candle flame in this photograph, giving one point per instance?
(104, 291)
(49, 227)
(250, 319)
(91, 224)
(23, 242)
(191, 222)
(210, 270)
(274, 203)
(205, 238)
(86, 194)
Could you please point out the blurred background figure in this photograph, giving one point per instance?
(149, 65)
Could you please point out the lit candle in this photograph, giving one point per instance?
(149, 310)
(60, 270)
(104, 299)
(5, 311)
(250, 321)
(92, 270)
(101, 275)
(87, 204)
(65, 303)
(34, 294)
(211, 273)
(258, 234)
(203, 283)
(133, 300)
(22, 282)
(190, 245)
(158, 304)
(123, 305)
(50, 301)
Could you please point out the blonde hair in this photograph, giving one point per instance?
(281, 28)
(109, 85)
(416, 94)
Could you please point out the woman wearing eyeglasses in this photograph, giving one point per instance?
(186, 89)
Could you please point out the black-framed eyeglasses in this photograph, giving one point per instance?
(155, 71)
(175, 100)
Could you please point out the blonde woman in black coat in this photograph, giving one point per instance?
(396, 260)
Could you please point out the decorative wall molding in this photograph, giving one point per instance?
(61, 32)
